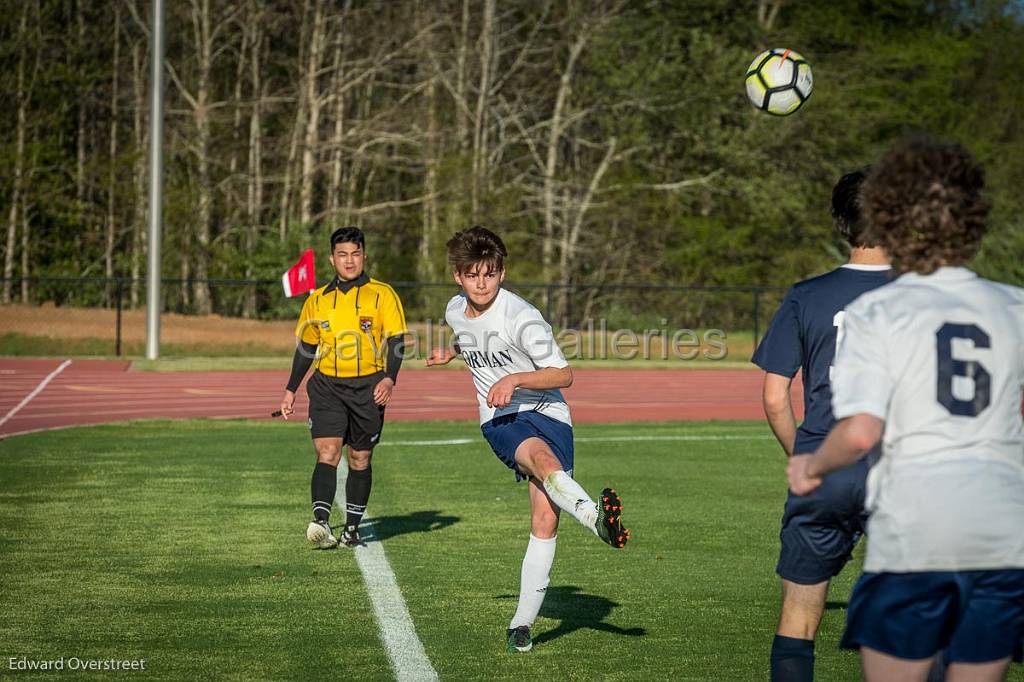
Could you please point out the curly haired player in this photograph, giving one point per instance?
(932, 365)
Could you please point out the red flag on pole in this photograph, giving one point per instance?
(300, 278)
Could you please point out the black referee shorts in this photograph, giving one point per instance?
(344, 408)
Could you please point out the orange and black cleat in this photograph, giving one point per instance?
(609, 519)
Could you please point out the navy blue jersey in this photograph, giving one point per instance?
(802, 335)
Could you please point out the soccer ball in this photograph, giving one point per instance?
(779, 81)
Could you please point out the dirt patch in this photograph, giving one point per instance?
(54, 322)
(51, 330)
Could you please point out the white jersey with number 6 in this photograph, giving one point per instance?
(940, 358)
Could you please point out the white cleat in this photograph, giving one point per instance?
(319, 533)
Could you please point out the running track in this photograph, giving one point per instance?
(98, 391)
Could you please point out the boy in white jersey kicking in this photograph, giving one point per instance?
(518, 370)
(933, 365)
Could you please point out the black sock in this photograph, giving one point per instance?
(322, 488)
(792, 659)
(357, 495)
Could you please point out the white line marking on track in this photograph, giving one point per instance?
(409, 661)
(34, 392)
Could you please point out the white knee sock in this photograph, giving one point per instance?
(570, 496)
(533, 581)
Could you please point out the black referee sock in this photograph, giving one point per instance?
(357, 495)
(322, 487)
(792, 659)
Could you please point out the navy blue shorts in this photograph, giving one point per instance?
(820, 530)
(975, 616)
(505, 433)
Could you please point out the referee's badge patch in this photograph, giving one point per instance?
(366, 324)
(325, 325)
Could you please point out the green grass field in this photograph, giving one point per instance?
(181, 543)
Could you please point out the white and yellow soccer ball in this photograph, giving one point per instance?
(779, 81)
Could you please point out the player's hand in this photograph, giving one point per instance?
(800, 480)
(382, 392)
(440, 356)
(500, 394)
(288, 404)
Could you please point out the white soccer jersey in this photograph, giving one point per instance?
(508, 338)
(941, 359)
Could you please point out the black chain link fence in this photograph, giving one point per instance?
(105, 316)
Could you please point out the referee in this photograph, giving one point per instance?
(353, 329)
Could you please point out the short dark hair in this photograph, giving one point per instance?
(924, 204)
(351, 235)
(476, 245)
(847, 204)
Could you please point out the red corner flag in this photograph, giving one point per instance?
(300, 278)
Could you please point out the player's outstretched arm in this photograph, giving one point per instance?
(440, 356)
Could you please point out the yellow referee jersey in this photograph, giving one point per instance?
(350, 322)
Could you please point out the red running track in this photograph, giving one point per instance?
(98, 391)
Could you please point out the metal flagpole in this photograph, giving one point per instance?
(156, 175)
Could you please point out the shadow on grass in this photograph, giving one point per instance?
(578, 610)
(836, 605)
(384, 527)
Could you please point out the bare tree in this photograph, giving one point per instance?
(339, 102)
(461, 110)
(108, 256)
(556, 126)
(254, 178)
(21, 96)
(487, 55)
(768, 12)
(297, 128)
(26, 270)
(206, 30)
(576, 213)
(81, 136)
(314, 104)
(140, 139)
(427, 269)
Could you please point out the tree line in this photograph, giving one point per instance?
(609, 141)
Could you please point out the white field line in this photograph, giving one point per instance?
(42, 384)
(584, 439)
(409, 661)
(445, 441)
(600, 439)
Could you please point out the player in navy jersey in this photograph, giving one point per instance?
(932, 365)
(819, 531)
